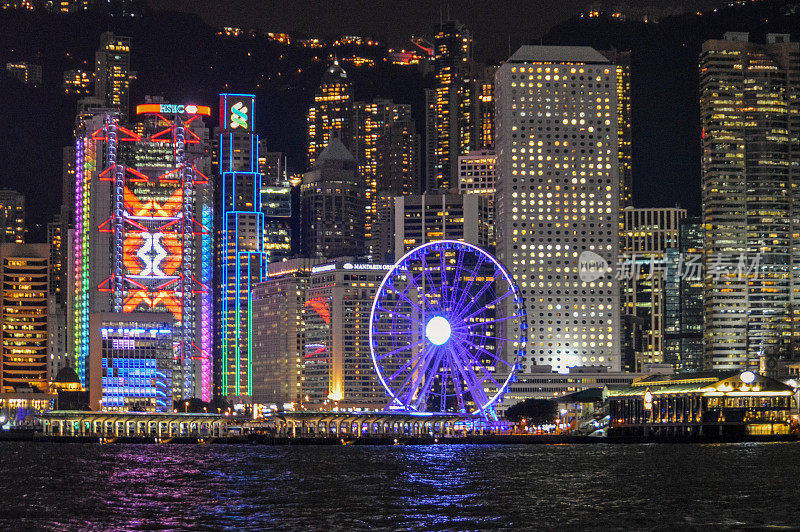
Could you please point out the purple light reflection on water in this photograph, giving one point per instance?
(439, 487)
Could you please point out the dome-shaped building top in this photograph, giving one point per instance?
(67, 375)
(335, 74)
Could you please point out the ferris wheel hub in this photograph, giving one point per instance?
(438, 330)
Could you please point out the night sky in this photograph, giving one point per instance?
(494, 23)
(39, 121)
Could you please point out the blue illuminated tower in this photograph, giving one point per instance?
(240, 245)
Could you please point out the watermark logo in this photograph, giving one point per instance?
(683, 266)
(591, 266)
(239, 115)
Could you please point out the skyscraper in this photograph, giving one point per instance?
(454, 100)
(683, 299)
(333, 203)
(749, 106)
(12, 217)
(557, 200)
(56, 241)
(279, 202)
(385, 149)
(431, 140)
(112, 73)
(331, 114)
(646, 235)
(484, 109)
(241, 257)
(622, 60)
(23, 338)
(78, 82)
(476, 175)
(142, 237)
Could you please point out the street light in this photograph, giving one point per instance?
(186, 407)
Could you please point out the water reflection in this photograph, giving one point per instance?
(433, 487)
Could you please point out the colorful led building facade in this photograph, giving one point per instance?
(142, 239)
(131, 359)
(242, 260)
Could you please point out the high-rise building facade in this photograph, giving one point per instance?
(337, 359)
(57, 242)
(453, 109)
(279, 203)
(431, 140)
(683, 299)
(622, 61)
(279, 333)
(556, 205)
(484, 109)
(331, 114)
(24, 308)
(131, 361)
(12, 217)
(142, 238)
(646, 235)
(57, 294)
(476, 175)
(385, 148)
(241, 260)
(749, 101)
(112, 73)
(424, 218)
(333, 203)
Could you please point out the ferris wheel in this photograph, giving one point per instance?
(447, 329)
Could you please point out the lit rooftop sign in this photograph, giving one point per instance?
(173, 108)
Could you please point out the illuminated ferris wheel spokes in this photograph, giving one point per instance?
(446, 329)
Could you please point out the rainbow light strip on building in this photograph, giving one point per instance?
(243, 260)
(149, 248)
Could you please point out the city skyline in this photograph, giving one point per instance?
(399, 265)
(530, 160)
(658, 174)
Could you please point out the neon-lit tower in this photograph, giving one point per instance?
(242, 259)
(142, 240)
